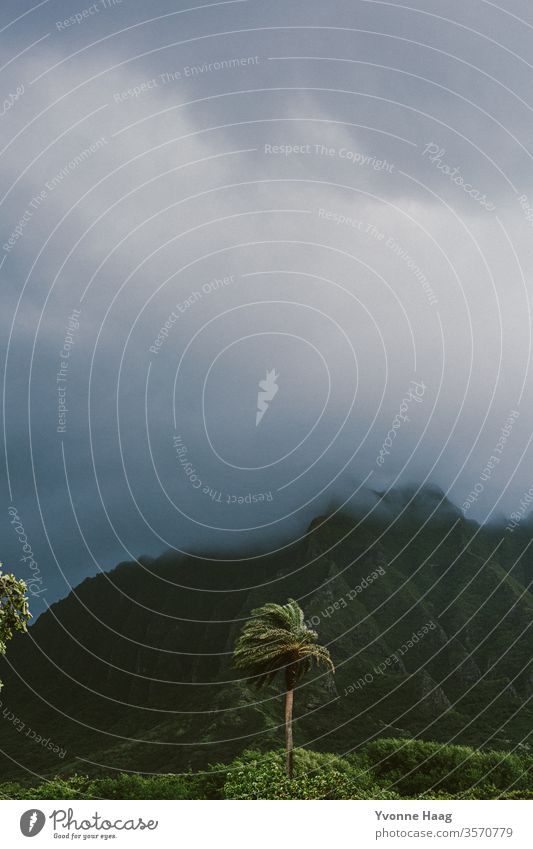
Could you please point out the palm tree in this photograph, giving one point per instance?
(276, 639)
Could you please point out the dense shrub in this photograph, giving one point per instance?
(385, 769)
(414, 768)
(12, 790)
(316, 776)
(122, 786)
(76, 787)
(132, 786)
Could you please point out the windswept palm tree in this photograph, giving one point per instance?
(276, 639)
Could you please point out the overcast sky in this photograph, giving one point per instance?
(333, 198)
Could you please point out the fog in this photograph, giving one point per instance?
(195, 199)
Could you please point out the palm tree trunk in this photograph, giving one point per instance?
(289, 698)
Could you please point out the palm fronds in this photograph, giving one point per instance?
(276, 638)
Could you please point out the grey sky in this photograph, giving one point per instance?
(154, 145)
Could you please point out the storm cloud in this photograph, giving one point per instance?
(335, 200)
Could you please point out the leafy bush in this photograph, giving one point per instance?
(12, 790)
(385, 769)
(133, 786)
(76, 787)
(316, 776)
(416, 768)
(122, 786)
(517, 794)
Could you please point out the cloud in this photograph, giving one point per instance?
(271, 214)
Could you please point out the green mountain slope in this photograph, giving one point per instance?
(132, 670)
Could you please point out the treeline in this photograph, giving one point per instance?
(384, 769)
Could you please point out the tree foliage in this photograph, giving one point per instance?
(14, 610)
(383, 769)
(276, 638)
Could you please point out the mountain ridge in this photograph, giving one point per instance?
(132, 669)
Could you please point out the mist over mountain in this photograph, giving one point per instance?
(265, 333)
(427, 617)
(242, 277)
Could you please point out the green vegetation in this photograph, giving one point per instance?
(14, 610)
(277, 639)
(316, 776)
(384, 769)
(132, 669)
